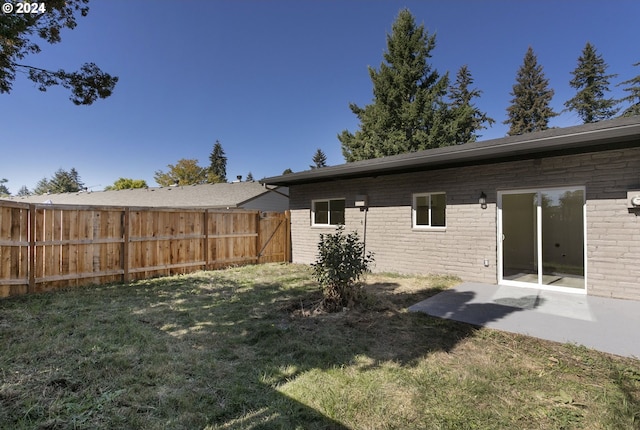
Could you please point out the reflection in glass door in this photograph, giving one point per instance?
(542, 237)
(520, 237)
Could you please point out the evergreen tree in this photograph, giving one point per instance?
(634, 95)
(24, 191)
(287, 171)
(592, 82)
(319, 159)
(530, 110)
(42, 187)
(408, 112)
(61, 182)
(467, 119)
(4, 191)
(218, 164)
(249, 177)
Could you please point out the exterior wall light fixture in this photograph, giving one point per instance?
(483, 200)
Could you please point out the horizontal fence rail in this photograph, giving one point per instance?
(44, 247)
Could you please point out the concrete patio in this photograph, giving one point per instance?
(608, 325)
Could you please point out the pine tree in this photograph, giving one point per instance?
(249, 177)
(634, 96)
(467, 119)
(592, 82)
(530, 110)
(218, 168)
(24, 191)
(319, 159)
(408, 112)
(4, 191)
(61, 182)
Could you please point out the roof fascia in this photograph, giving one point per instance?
(601, 136)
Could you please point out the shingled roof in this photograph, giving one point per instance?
(222, 195)
(600, 136)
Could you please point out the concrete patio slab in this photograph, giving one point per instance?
(608, 325)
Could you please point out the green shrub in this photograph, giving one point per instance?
(340, 264)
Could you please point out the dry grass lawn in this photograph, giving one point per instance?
(242, 349)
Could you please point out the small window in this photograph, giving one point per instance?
(328, 212)
(429, 210)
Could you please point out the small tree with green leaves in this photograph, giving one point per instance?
(184, 172)
(341, 263)
(126, 184)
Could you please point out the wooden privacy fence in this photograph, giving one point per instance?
(43, 247)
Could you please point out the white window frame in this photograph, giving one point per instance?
(414, 216)
(328, 201)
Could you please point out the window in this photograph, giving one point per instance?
(327, 212)
(429, 210)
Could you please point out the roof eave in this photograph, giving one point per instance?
(586, 138)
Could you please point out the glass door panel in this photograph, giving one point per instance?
(562, 222)
(520, 237)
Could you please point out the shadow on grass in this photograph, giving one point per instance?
(209, 350)
(261, 336)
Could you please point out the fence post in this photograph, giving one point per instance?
(205, 240)
(32, 248)
(125, 245)
(258, 236)
(287, 247)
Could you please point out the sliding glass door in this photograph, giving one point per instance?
(541, 238)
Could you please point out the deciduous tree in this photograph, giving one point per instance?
(592, 83)
(126, 184)
(18, 33)
(408, 112)
(530, 108)
(184, 172)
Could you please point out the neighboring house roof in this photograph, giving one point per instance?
(599, 136)
(222, 195)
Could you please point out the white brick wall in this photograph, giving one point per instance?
(613, 245)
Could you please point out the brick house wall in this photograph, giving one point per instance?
(470, 237)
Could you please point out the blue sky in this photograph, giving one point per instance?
(272, 80)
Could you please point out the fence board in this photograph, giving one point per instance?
(14, 248)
